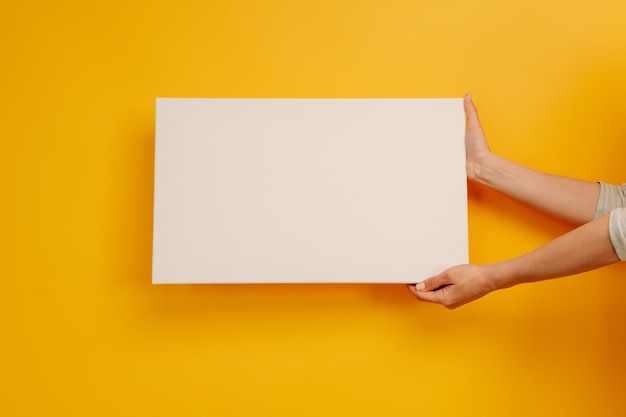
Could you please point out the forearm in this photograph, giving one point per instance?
(569, 199)
(583, 249)
(588, 247)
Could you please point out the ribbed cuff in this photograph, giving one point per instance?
(611, 197)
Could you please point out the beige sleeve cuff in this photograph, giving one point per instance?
(611, 197)
(617, 231)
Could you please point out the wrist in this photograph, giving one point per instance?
(499, 275)
(481, 169)
(496, 172)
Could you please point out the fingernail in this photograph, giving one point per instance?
(420, 286)
(469, 95)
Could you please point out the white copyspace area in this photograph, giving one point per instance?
(308, 190)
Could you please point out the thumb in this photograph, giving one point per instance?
(471, 112)
(432, 283)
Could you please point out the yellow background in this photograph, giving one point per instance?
(85, 333)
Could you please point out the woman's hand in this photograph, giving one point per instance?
(464, 283)
(476, 147)
(455, 286)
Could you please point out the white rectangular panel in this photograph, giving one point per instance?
(308, 190)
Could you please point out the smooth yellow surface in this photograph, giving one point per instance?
(85, 333)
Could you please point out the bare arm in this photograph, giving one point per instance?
(583, 249)
(566, 198)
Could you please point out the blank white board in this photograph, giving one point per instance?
(308, 190)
